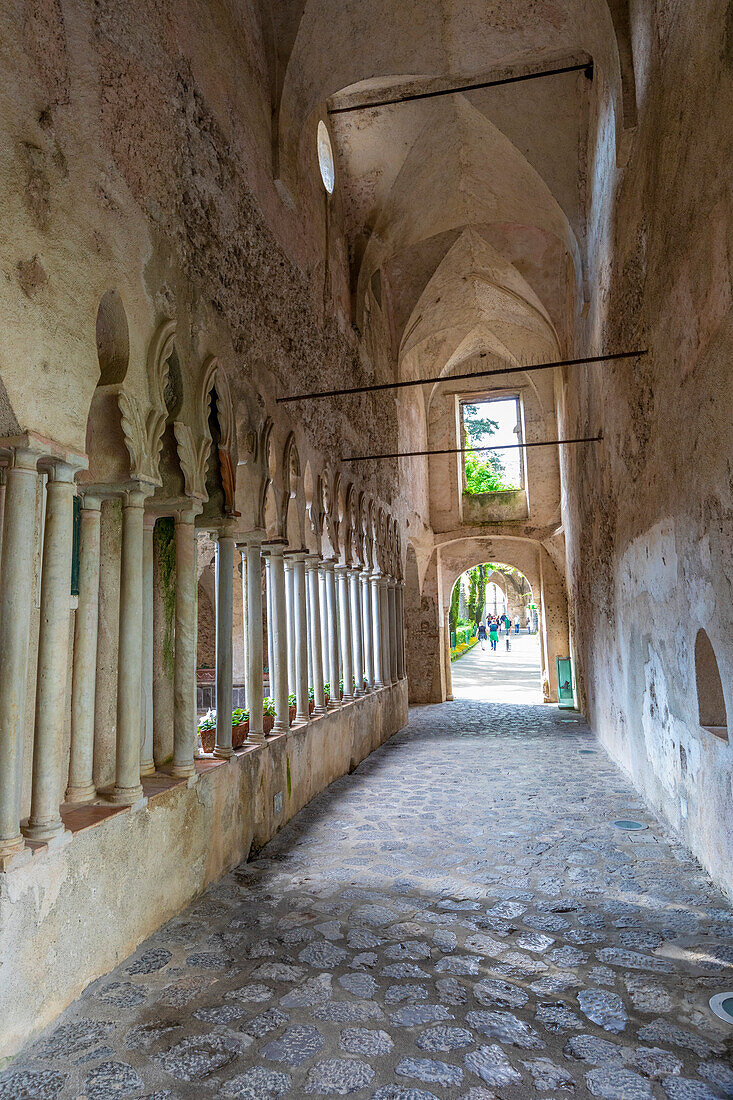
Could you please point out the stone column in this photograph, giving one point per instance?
(147, 764)
(329, 579)
(253, 548)
(184, 658)
(342, 572)
(127, 789)
(275, 565)
(299, 630)
(2, 508)
(323, 624)
(400, 593)
(366, 609)
(356, 630)
(290, 620)
(270, 634)
(16, 584)
(224, 615)
(386, 640)
(311, 565)
(375, 581)
(245, 629)
(311, 682)
(84, 676)
(392, 612)
(446, 656)
(53, 654)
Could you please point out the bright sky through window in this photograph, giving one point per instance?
(325, 158)
(505, 413)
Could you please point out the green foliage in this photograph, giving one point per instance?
(484, 473)
(476, 425)
(477, 592)
(454, 602)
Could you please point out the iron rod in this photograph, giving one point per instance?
(586, 67)
(459, 377)
(465, 450)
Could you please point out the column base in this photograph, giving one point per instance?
(147, 767)
(125, 796)
(379, 685)
(12, 846)
(347, 698)
(43, 830)
(223, 752)
(183, 771)
(255, 737)
(279, 727)
(318, 712)
(87, 793)
(302, 717)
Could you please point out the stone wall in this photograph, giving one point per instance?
(70, 914)
(649, 512)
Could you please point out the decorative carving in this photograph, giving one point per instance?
(192, 455)
(144, 433)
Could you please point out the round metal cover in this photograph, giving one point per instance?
(587, 752)
(630, 826)
(722, 1006)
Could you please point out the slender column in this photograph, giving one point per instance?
(311, 682)
(342, 572)
(290, 620)
(270, 634)
(446, 652)
(83, 685)
(2, 508)
(329, 579)
(392, 612)
(254, 689)
(224, 619)
(356, 629)
(147, 764)
(400, 592)
(15, 615)
(276, 582)
(53, 653)
(127, 789)
(184, 660)
(299, 630)
(384, 616)
(366, 609)
(323, 625)
(311, 566)
(375, 580)
(245, 619)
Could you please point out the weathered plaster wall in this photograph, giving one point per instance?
(649, 512)
(69, 915)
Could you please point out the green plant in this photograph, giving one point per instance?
(291, 699)
(208, 722)
(240, 715)
(268, 706)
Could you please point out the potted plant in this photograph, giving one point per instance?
(207, 731)
(240, 726)
(311, 700)
(292, 707)
(327, 692)
(268, 714)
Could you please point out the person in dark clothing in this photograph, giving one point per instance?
(494, 633)
(482, 634)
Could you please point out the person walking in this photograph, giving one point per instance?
(482, 634)
(516, 624)
(494, 633)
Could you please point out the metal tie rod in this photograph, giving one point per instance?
(467, 450)
(459, 377)
(585, 67)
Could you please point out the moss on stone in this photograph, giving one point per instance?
(164, 540)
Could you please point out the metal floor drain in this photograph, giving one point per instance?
(630, 826)
(587, 752)
(722, 1006)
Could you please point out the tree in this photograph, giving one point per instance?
(454, 602)
(485, 471)
(476, 592)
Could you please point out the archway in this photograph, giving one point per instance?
(501, 665)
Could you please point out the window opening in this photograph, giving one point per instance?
(495, 421)
(325, 158)
(710, 698)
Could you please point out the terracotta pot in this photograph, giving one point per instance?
(311, 705)
(267, 723)
(208, 740)
(239, 734)
(292, 712)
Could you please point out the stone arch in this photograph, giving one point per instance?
(712, 711)
(113, 339)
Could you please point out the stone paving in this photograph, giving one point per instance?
(459, 918)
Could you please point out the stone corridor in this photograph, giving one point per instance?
(457, 918)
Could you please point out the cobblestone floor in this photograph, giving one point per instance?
(458, 918)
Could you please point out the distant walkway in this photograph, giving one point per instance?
(500, 677)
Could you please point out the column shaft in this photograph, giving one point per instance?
(53, 654)
(300, 637)
(184, 656)
(254, 687)
(392, 612)
(270, 635)
(342, 571)
(245, 627)
(224, 621)
(127, 788)
(84, 676)
(400, 592)
(384, 617)
(290, 621)
(147, 764)
(356, 630)
(333, 632)
(377, 628)
(366, 607)
(314, 623)
(276, 574)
